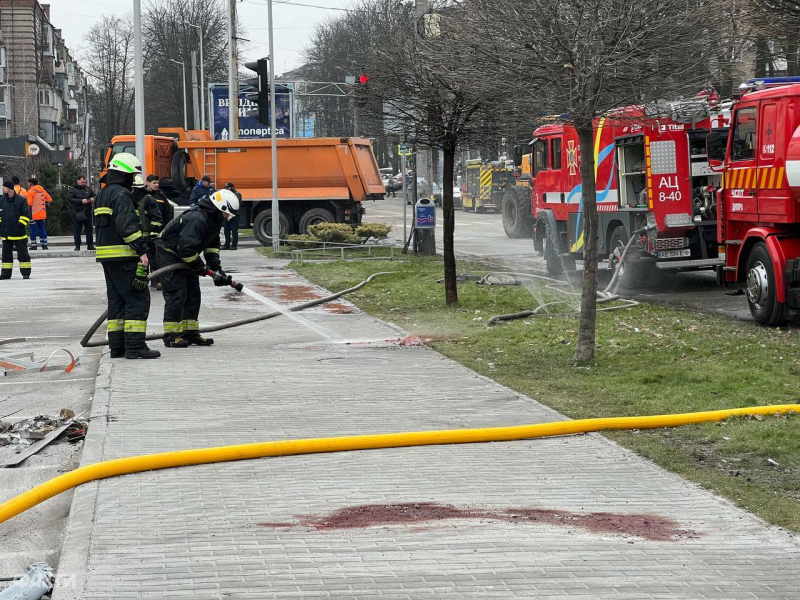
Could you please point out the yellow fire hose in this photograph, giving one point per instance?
(182, 458)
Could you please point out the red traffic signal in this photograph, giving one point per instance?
(363, 79)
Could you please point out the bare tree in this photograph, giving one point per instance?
(168, 35)
(420, 89)
(108, 60)
(584, 58)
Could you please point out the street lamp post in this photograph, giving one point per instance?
(185, 116)
(202, 78)
(276, 225)
(138, 85)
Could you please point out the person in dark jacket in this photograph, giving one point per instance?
(15, 216)
(81, 196)
(149, 216)
(203, 189)
(183, 239)
(122, 250)
(167, 214)
(232, 225)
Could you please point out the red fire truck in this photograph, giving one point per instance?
(759, 203)
(651, 169)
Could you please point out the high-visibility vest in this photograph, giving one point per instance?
(37, 200)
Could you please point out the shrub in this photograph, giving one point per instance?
(300, 242)
(340, 233)
(378, 231)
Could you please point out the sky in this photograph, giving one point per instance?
(293, 24)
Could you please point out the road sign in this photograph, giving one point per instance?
(404, 150)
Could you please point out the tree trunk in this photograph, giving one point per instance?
(584, 351)
(449, 218)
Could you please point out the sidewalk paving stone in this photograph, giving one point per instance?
(262, 528)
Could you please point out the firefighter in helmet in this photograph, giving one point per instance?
(196, 231)
(122, 250)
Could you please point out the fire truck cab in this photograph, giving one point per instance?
(759, 216)
(650, 169)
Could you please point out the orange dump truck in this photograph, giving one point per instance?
(319, 179)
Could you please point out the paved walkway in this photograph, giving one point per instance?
(574, 517)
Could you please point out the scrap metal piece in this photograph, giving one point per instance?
(36, 583)
(33, 449)
(12, 341)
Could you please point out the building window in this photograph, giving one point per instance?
(2, 64)
(3, 103)
(46, 98)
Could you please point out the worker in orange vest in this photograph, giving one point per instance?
(38, 199)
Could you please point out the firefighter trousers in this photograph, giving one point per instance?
(23, 256)
(181, 300)
(127, 308)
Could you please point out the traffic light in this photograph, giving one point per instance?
(362, 86)
(259, 97)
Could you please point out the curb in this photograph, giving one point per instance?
(72, 571)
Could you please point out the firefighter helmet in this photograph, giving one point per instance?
(125, 162)
(138, 182)
(226, 202)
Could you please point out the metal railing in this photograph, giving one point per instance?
(337, 251)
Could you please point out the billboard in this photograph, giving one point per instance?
(249, 127)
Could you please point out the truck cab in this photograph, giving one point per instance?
(759, 221)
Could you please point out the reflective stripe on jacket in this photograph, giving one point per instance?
(38, 199)
(119, 234)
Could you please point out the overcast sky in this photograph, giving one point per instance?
(293, 24)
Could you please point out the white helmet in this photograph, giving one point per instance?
(138, 182)
(125, 162)
(226, 202)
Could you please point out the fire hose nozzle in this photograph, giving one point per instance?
(237, 286)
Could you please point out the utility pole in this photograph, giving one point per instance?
(183, 72)
(87, 119)
(233, 74)
(202, 77)
(195, 109)
(276, 225)
(138, 85)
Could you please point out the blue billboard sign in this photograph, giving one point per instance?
(249, 127)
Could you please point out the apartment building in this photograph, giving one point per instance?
(42, 89)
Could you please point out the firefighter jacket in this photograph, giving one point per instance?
(119, 233)
(195, 231)
(149, 213)
(166, 209)
(15, 216)
(38, 199)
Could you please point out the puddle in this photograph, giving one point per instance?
(292, 294)
(648, 527)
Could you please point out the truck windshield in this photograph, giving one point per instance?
(122, 147)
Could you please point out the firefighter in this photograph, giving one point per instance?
(38, 199)
(15, 216)
(182, 241)
(149, 215)
(167, 214)
(122, 250)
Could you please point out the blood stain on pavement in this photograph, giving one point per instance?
(649, 527)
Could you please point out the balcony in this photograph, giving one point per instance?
(48, 114)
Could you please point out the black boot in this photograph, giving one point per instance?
(199, 340)
(177, 342)
(141, 352)
(117, 353)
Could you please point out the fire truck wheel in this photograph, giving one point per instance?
(517, 219)
(555, 267)
(315, 216)
(262, 226)
(761, 295)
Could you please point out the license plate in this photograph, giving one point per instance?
(675, 253)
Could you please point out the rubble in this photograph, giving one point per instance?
(40, 430)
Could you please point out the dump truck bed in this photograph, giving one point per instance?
(308, 168)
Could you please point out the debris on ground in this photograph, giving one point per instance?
(41, 430)
(37, 582)
(17, 362)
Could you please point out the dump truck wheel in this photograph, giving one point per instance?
(314, 217)
(262, 227)
(178, 170)
(517, 219)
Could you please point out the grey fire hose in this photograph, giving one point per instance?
(607, 295)
(87, 343)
